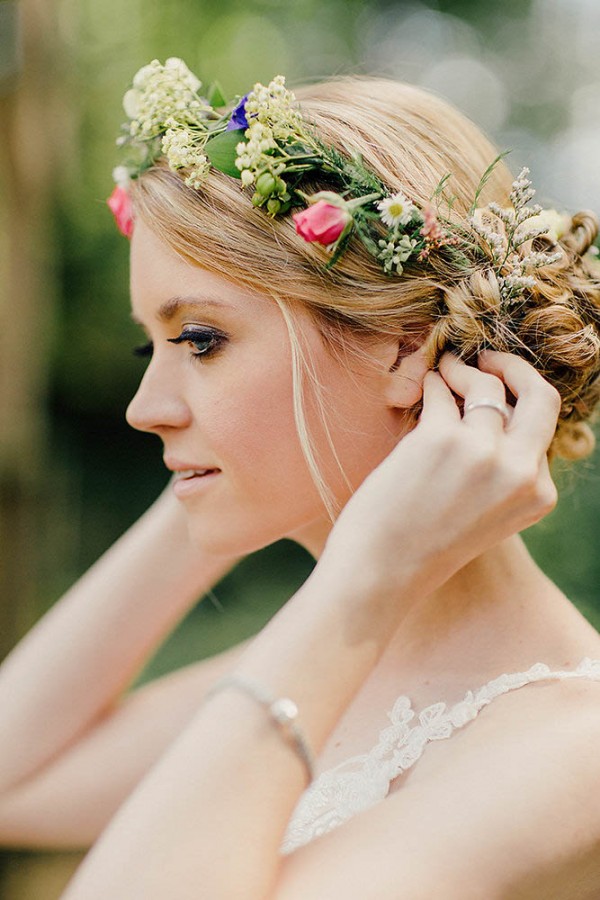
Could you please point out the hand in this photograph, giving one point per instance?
(455, 485)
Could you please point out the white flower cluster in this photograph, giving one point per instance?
(522, 223)
(273, 106)
(271, 117)
(183, 152)
(517, 280)
(121, 177)
(394, 252)
(252, 154)
(160, 93)
(553, 223)
(522, 192)
(395, 211)
(487, 227)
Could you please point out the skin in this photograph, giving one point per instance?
(422, 586)
(420, 582)
(228, 409)
(234, 410)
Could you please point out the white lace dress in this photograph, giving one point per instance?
(362, 781)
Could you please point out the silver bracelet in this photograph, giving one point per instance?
(283, 712)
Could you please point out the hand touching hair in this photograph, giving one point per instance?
(555, 327)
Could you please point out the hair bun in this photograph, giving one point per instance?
(556, 328)
(583, 232)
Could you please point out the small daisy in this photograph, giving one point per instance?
(396, 210)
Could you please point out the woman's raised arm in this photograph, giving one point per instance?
(71, 669)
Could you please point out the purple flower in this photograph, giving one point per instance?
(238, 116)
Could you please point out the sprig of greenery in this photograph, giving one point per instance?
(485, 178)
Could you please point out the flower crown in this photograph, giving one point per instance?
(265, 142)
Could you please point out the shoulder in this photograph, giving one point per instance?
(517, 813)
(559, 813)
(527, 799)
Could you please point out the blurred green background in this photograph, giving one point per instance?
(73, 476)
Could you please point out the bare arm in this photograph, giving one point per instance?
(68, 803)
(69, 671)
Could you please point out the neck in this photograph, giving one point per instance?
(489, 615)
(492, 596)
(500, 613)
(498, 576)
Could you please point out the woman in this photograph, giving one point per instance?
(385, 413)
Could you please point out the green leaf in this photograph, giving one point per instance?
(215, 95)
(220, 150)
(366, 239)
(440, 186)
(485, 178)
(340, 246)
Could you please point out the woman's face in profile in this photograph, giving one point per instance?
(218, 391)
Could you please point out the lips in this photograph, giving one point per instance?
(189, 478)
(185, 468)
(184, 474)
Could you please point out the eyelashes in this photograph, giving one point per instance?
(205, 341)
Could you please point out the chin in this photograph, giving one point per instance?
(226, 542)
(242, 536)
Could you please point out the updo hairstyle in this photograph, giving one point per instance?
(410, 139)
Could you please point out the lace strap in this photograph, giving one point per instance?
(401, 746)
(361, 781)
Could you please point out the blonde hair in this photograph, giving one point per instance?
(411, 139)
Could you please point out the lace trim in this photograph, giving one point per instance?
(361, 781)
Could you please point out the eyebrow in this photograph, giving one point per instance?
(169, 309)
(173, 305)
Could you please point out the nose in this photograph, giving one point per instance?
(158, 403)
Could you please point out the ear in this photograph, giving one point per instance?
(404, 379)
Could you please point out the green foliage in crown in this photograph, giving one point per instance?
(265, 142)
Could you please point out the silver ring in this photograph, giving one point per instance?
(502, 408)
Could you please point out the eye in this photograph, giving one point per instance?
(144, 350)
(205, 340)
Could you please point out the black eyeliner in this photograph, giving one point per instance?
(194, 334)
(208, 336)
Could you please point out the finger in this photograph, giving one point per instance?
(438, 402)
(538, 403)
(475, 386)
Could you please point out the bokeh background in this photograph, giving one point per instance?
(73, 476)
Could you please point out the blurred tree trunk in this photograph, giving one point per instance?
(36, 131)
(29, 155)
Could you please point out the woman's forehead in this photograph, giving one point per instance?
(175, 283)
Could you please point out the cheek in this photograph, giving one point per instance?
(267, 492)
(260, 434)
(251, 429)
(248, 424)
(257, 427)
(363, 428)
